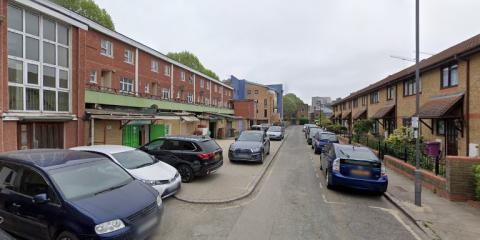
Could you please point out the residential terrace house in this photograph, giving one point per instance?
(449, 100)
(68, 81)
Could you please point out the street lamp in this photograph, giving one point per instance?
(416, 120)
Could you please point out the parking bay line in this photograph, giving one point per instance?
(400, 220)
(328, 202)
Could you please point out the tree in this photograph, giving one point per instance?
(291, 104)
(88, 9)
(363, 126)
(189, 59)
(323, 121)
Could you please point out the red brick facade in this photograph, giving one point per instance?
(244, 108)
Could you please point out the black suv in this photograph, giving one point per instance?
(191, 155)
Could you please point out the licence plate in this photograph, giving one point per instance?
(363, 173)
(147, 225)
(243, 155)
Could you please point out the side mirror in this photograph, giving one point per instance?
(40, 198)
(236, 139)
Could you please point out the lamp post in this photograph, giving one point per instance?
(416, 121)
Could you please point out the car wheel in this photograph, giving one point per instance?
(262, 157)
(186, 172)
(328, 177)
(321, 167)
(268, 152)
(67, 236)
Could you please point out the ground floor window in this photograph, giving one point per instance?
(40, 135)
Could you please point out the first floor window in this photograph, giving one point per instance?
(390, 93)
(450, 76)
(202, 83)
(165, 93)
(106, 48)
(374, 97)
(167, 70)
(154, 66)
(126, 85)
(409, 87)
(93, 76)
(128, 56)
(49, 100)
(182, 76)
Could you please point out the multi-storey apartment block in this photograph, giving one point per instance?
(449, 100)
(69, 81)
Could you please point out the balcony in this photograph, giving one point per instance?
(110, 96)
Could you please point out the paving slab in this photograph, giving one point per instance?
(231, 182)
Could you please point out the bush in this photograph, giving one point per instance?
(303, 121)
(336, 128)
(477, 181)
(363, 126)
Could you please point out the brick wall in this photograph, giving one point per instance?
(460, 178)
(245, 109)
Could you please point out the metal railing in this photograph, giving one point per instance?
(405, 152)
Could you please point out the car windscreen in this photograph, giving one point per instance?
(209, 146)
(134, 159)
(329, 137)
(275, 129)
(314, 131)
(251, 136)
(90, 178)
(355, 153)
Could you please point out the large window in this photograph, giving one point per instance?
(409, 87)
(167, 70)
(38, 62)
(128, 56)
(126, 85)
(374, 98)
(165, 93)
(154, 66)
(450, 76)
(106, 48)
(390, 92)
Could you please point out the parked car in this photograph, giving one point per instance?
(311, 132)
(64, 194)
(192, 156)
(321, 139)
(275, 133)
(263, 128)
(352, 166)
(250, 146)
(3, 234)
(307, 129)
(146, 168)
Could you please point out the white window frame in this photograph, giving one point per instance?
(154, 66)
(93, 76)
(40, 64)
(147, 88)
(165, 93)
(128, 83)
(167, 70)
(208, 85)
(190, 98)
(202, 83)
(128, 56)
(106, 48)
(182, 76)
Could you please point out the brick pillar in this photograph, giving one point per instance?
(460, 178)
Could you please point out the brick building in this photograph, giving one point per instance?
(449, 106)
(68, 81)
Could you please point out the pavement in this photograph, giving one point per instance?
(290, 202)
(438, 217)
(231, 182)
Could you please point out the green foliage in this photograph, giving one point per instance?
(291, 104)
(323, 121)
(88, 9)
(336, 128)
(401, 136)
(477, 181)
(303, 121)
(363, 126)
(189, 59)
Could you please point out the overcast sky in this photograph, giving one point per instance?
(314, 47)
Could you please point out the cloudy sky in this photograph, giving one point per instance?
(314, 47)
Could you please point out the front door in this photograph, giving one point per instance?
(131, 136)
(157, 131)
(451, 135)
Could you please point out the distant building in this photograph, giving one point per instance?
(319, 102)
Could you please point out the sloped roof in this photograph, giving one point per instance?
(382, 112)
(358, 114)
(439, 106)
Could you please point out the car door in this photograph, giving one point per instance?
(325, 156)
(9, 179)
(155, 148)
(35, 218)
(189, 150)
(177, 148)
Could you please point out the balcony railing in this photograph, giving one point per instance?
(98, 88)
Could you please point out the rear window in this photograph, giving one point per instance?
(328, 136)
(209, 146)
(356, 154)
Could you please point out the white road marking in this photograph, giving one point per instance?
(394, 213)
(316, 174)
(320, 184)
(326, 201)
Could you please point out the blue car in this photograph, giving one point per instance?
(71, 195)
(321, 139)
(354, 167)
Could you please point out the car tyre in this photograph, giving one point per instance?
(67, 236)
(186, 172)
(328, 178)
(268, 152)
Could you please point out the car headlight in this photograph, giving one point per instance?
(108, 227)
(159, 201)
(149, 182)
(257, 149)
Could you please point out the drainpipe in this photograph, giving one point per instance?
(136, 71)
(210, 89)
(171, 81)
(194, 88)
(467, 109)
(92, 132)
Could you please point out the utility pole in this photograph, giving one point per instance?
(416, 121)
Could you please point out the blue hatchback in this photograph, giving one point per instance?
(70, 195)
(352, 166)
(321, 139)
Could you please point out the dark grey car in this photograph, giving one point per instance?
(250, 146)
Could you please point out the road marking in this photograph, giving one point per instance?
(320, 184)
(316, 174)
(394, 213)
(326, 201)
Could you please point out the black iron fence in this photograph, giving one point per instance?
(405, 152)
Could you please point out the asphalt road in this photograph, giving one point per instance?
(291, 202)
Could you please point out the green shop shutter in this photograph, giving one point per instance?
(157, 131)
(131, 136)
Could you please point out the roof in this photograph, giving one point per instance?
(451, 54)
(189, 137)
(55, 9)
(439, 106)
(358, 114)
(109, 149)
(384, 111)
(347, 115)
(338, 115)
(48, 158)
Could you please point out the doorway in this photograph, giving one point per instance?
(451, 137)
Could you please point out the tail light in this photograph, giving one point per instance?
(336, 165)
(383, 171)
(205, 156)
